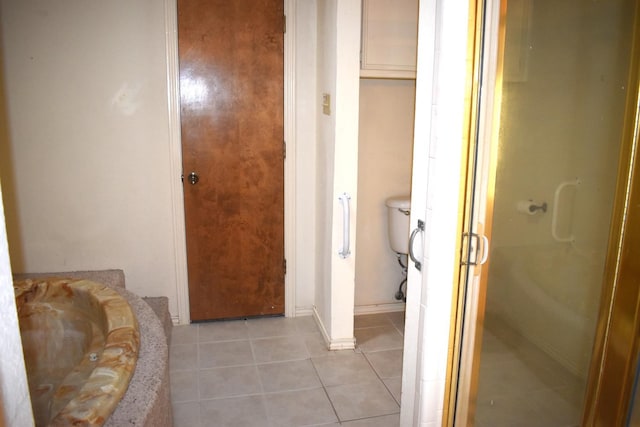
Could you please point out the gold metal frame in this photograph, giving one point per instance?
(617, 341)
(615, 354)
(488, 218)
(472, 95)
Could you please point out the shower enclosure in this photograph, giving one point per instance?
(555, 158)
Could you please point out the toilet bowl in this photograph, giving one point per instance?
(399, 209)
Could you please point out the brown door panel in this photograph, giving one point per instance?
(231, 86)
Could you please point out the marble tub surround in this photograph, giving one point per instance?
(81, 343)
(112, 278)
(147, 401)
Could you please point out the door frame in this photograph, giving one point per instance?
(175, 155)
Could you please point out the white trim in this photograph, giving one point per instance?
(290, 162)
(342, 344)
(428, 27)
(379, 308)
(338, 344)
(175, 154)
(304, 311)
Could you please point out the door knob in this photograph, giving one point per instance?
(193, 178)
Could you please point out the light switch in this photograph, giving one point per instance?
(326, 104)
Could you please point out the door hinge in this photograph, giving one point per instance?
(284, 266)
(284, 149)
(284, 23)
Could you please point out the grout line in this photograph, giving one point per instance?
(381, 379)
(326, 393)
(219, 341)
(198, 364)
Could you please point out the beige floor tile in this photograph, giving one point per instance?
(272, 327)
(184, 334)
(348, 368)
(259, 372)
(284, 376)
(226, 353)
(397, 318)
(227, 382)
(394, 385)
(378, 338)
(509, 377)
(306, 325)
(186, 414)
(555, 409)
(223, 331)
(355, 401)
(316, 345)
(384, 421)
(279, 349)
(371, 320)
(183, 357)
(506, 410)
(184, 386)
(245, 411)
(299, 408)
(387, 363)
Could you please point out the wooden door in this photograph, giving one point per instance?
(231, 95)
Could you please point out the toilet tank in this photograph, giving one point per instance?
(399, 208)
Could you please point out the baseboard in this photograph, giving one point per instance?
(360, 309)
(343, 344)
(339, 344)
(304, 311)
(379, 308)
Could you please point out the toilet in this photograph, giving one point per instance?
(399, 209)
(398, 212)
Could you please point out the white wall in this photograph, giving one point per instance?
(324, 156)
(439, 125)
(384, 170)
(336, 166)
(15, 403)
(87, 104)
(306, 116)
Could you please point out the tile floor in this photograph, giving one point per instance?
(277, 372)
(520, 385)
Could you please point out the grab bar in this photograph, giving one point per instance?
(414, 233)
(556, 209)
(346, 217)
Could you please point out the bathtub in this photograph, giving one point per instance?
(550, 296)
(80, 342)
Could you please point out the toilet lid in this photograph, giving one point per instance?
(402, 202)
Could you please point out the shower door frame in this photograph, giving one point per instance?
(616, 347)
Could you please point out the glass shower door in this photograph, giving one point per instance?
(560, 101)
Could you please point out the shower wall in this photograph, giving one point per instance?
(384, 170)
(561, 119)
